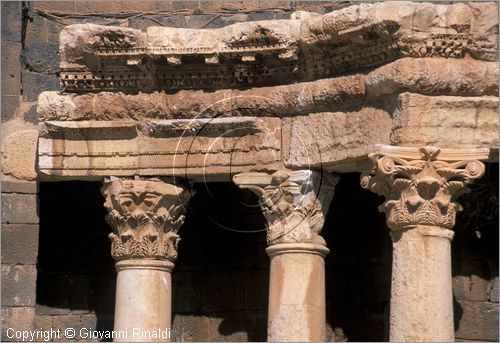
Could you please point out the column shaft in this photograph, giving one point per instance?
(143, 299)
(421, 187)
(297, 293)
(421, 291)
(295, 204)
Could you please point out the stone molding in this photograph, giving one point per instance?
(198, 147)
(421, 186)
(305, 47)
(145, 217)
(294, 203)
(297, 248)
(431, 76)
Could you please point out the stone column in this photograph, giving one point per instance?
(421, 187)
(145, 217)
(295, 204)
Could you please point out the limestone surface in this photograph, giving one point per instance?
(335, 140)
(307, 46)
(445, 121)
(19, 155)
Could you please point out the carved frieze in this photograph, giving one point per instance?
(145, 217)
(422, 190)
(294, 203)
(307, 46)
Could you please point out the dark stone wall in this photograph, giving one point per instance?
(19, 236)
(64, 275)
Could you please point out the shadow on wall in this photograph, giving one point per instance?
(221, 280)
(475, 260)
(359, 265)
(76, 276)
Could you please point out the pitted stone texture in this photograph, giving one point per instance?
(421, 292)
(306, 47)
(434, 76)
(484, 23)
(279, 101)
(19, 154)
(335, 140)
(446, 121)
(77, 42)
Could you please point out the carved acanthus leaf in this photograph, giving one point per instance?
(145, 217)
(294, 203)
(420, 191)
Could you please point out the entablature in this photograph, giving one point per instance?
(306, 47)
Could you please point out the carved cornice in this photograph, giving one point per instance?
(308, 46)
(294, 203)
(145, 217)
(421, 185)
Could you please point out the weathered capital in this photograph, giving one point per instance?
(145, 217)
(294, 203)
(421, 185)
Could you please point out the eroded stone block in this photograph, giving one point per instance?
(446, 121)
(335, 140)
(494, 290)
(434, 76)
(279, 101)
(19, 154)
(307, 46)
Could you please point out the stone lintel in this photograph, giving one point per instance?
(228, 126)
(198, 148)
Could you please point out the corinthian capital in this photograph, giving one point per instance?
(294, 203)
(421, 185)
(145, 217)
